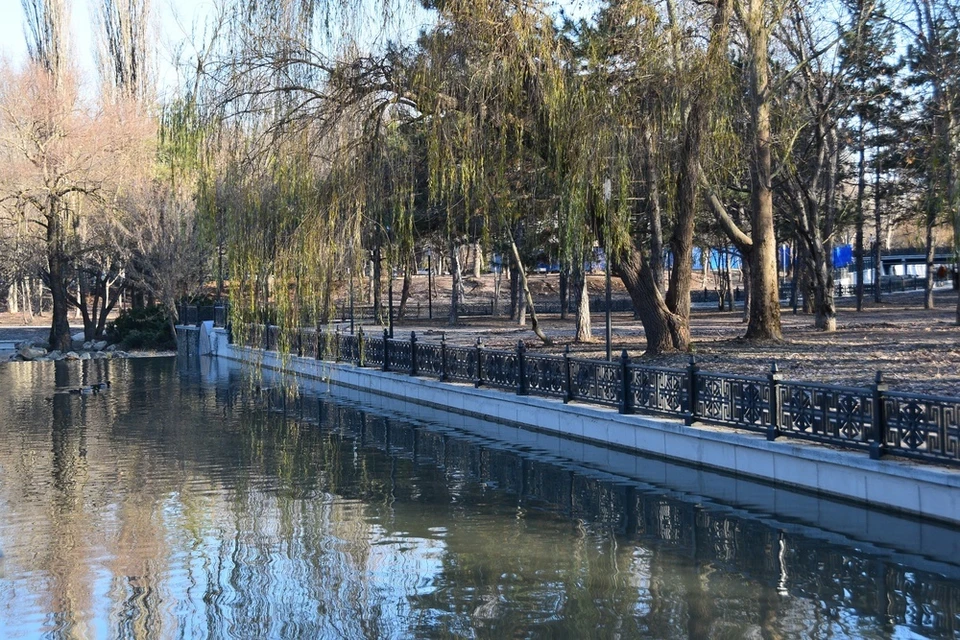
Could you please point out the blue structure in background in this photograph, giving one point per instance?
(842, 256)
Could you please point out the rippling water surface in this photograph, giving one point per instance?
(173, 505)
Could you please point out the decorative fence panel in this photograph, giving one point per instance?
(372, 351)
(499, 369)
(654, 390)
(836, 415)
(924, 427)
(546, 375)
(430, 359)
(875, 419)
(347, 348)
(401, 352)
(595, 381)
(462, 364)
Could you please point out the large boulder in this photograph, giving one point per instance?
(99, 345)
(85, 355)
(29, 352)
(71, 355)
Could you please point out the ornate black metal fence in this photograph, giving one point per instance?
(873, 419)
(194, 314)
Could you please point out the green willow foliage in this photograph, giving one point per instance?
(485, 121)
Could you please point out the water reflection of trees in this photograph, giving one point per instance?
(236, 514)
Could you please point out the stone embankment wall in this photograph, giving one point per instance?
(924, 490)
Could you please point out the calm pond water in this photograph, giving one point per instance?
(180, 505)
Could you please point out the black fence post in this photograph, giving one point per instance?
(386, 350)
(479, 379)
(443, 357)
(266, 337)
(692, 370)
(413, 353)
(774, 377)
(229, 333)
(879, 443)
(361, 346)
(567, 381)
(522, 387)
(626, 391)
(322, 345)
(300, 342)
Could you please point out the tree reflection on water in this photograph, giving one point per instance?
(169, 506)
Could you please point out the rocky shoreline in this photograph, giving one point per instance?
(37, 350)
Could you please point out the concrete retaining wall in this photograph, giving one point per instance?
(902, 486)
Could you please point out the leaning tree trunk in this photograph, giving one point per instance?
(525, 286)
(405, 288)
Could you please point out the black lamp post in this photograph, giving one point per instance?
(390, 285)
(606, 250)
(430, 282)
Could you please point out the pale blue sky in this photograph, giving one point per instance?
(177, 24)
(174, 21)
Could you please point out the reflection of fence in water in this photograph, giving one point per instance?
(874, 419)
(831, 576)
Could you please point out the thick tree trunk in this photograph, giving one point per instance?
(57, 265)
(765, 295)
(664, 330)
(688, 178)
(824, 307)
(514, 291)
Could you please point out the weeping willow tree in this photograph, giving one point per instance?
(495, 122)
